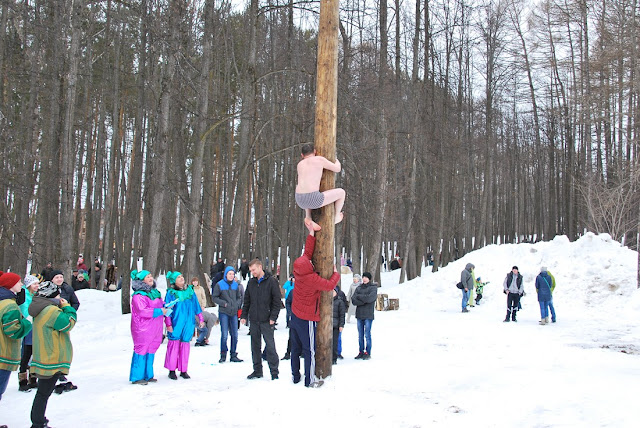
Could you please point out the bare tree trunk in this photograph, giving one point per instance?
(325, 144)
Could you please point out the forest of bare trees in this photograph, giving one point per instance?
(169, 130)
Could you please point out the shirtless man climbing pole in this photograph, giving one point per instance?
(308, 195)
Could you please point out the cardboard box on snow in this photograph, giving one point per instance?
(382, 302)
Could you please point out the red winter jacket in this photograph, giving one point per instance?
(306, 294)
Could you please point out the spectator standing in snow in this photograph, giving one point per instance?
(351, 312)
(244, 268)
(210, 320)
(466, 278)
(364, 298)
(14, 327)
(27, 381)
(226, 294)
(97, 270)
(81, 264)
(53, 319)
(80, 281)
(46, 272)
(553, 287)
(66, 291)
(544, 284)
(306, 309)
(513, 289)
(262, 306)
(338, 321)
(147, 314)
(287, 287)
(180, 324)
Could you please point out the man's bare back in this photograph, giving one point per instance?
(308, 195)
(310, 172)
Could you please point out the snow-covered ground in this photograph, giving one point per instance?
(431, 364)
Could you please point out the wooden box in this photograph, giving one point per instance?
(382, 302)
(394, 304)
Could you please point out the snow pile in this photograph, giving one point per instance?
(431, 365)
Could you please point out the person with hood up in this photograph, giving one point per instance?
(364, 298)
(306, 310)
(544, 287)
(27, 381)
(53, 319)
(14, 327)
(466, 278)
(288, 287)
(180, 324)
(351, 310)
(147, 312)
(513, 289)
(227, 295)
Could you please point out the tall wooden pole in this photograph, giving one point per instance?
(325, 144)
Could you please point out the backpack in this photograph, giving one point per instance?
(459, 285)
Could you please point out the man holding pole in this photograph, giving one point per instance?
(306, 310)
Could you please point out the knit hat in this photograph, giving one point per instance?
(9, 279)
(29, 280)
(368, 275)
(39, 277)
(55, 272)
(515, 267)
(48, 289)
(139, 275)
(543, 269)
(172, 276)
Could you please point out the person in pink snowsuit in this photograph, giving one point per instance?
(180, 324)
(147, 312)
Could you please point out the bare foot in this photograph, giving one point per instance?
(311, 225)
(339, 217)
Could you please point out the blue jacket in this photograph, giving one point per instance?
(227, 295)
(183, 317)
(543, 287)
(287, 287)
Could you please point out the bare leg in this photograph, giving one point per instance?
(310, 227)
(308, 222)
(337, 196)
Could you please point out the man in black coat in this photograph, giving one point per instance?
(66, 291)
(364, 298)
(262, 306)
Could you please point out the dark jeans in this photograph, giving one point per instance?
(27, 351)
(4, 380)
(258, 331)
(45, 388)
(513, 299)
(336, 336)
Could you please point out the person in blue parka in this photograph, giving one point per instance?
(543, 288)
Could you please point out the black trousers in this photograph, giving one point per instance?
(45, 388)
(258, 331)
(27, 351)
(336, 336)
(512, 304)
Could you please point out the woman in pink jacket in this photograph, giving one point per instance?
(147, 313)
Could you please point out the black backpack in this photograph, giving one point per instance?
(459, 285)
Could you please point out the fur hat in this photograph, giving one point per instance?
(139, 275)
(172, 276)
(29, 280)
(9, 279)
(48, 289)
(368, 275)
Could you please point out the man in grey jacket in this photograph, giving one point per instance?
(466, 278)
(513, 289)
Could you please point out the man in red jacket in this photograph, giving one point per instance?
(306, 310)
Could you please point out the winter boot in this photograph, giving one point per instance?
(223, 357)
(360, 356)
(287, 356)
(33, 381)
(185, 375)
(543, 321)
(513, 316)
(464, 310)
(234, 358)
(172, 375)
(546, 320)
(507, 318)
(23, 383)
